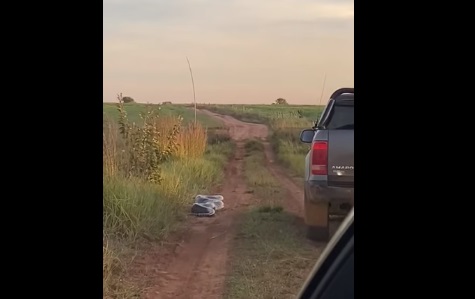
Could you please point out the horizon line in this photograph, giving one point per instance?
(197, 103)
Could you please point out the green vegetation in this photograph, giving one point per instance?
(271, 256)
(258, 178)
(153, 165)
(290, 151)
(296, 115)
(134, 110)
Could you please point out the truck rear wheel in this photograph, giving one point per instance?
(317, 220)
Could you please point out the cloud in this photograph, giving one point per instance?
(213, 14)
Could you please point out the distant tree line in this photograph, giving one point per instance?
(128, 99)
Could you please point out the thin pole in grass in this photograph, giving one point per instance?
(323, 88)
(321, 96)
(193, 83)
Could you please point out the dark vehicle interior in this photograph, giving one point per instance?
(333, 274)
(341, 116)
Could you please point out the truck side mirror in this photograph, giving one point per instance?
(306, 136)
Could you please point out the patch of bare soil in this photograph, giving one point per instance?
(239, 130)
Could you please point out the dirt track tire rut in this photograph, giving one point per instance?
(198, 267)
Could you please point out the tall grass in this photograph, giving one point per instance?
(191, 142)
(285, 140)
(151, 171)
(290, 152)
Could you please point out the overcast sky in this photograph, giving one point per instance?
(241, 51)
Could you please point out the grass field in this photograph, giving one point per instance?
(285, 122)
(150, 175)
(134, 110)
(269, 258)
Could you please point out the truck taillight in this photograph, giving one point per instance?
(319, 158)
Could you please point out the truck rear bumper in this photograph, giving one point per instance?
(340, 199)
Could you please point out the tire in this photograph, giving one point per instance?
(318, 233)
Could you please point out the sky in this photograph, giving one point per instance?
(240, 51)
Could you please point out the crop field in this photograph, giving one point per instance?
(133, 112)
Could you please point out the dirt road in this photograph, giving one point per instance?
(240, 131)
(196, 265)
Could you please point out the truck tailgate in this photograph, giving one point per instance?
(341, 158)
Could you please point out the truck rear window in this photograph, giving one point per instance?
(342, 117)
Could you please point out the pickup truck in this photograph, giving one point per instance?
(329, 165)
